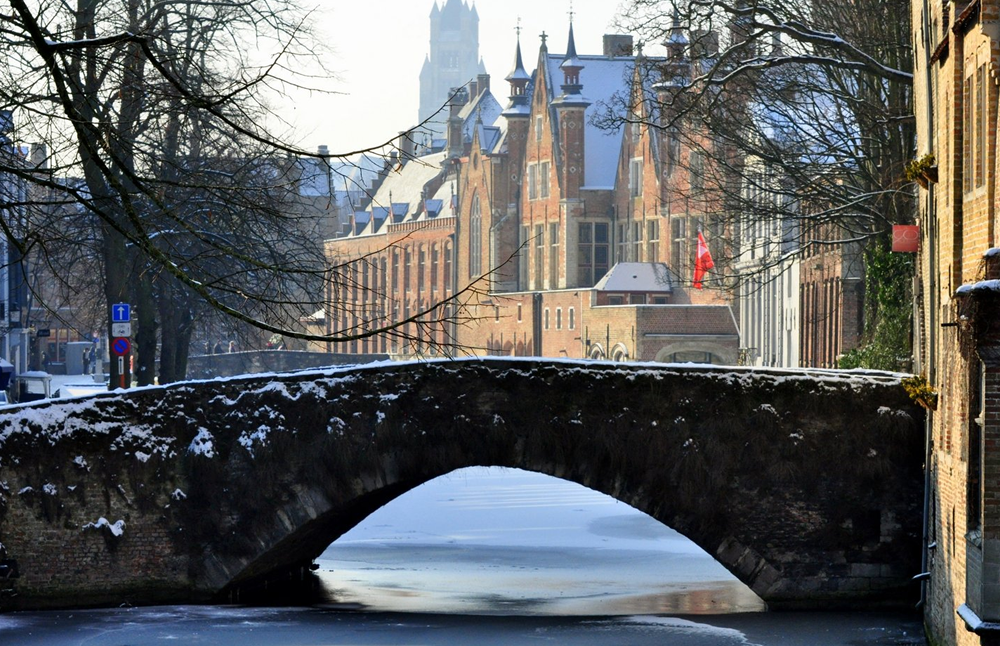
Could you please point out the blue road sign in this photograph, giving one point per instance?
(121, 313)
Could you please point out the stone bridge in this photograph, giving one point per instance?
(806, 485)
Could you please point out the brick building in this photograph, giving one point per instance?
(575, 237)
(957, 337)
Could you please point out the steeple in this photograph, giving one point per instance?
(677, 43)
(571, 67)
(518, 79)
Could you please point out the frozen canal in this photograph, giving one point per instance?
(491, 556)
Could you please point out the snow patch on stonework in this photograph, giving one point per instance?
(202, 444)
(117, 528)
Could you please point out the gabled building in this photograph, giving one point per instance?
(560, 226)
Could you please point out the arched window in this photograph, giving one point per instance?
(475, 239)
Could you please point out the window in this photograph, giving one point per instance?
(522, 267)
(967, 155)
(553, 255)
(546, 318)
(434, 268)
(635, 177)
(679, 245)
(421, 264)
(543, 179)
(593, 252)
(637, 241)
(407, 264)
(475, 239)
(539, 254)
(538, 128)
(532, 181)
(572, 318)
(519, 313)
(558, 318)
(447, 267)
(394, 280)
(652, 240)
(982, 126)
(616, 299)
(673, 148)
(496, 313)
(697, 174)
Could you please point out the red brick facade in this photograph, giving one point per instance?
(958, 310)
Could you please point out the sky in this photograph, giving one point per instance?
(379, 47)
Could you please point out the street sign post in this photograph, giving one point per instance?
(120, 347)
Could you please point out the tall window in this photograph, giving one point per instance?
(543, 179)
(538, 128)
(635, 177)
(697, 174)
(967, 139)
(673, 148)
(539, 254)
(434, 268)
(652, 239)
(475, 239)
(982, 126)
(447, 267)
(532, 181)
(572, 318)
(522, 267)
(553, 255)
(593, 252)
(407, 265)
(421, 264)
(637, 241)
(678, 245)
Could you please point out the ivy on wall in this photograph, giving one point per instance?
(888, 331)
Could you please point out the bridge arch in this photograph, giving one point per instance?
(805, 485)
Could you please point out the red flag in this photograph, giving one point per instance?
(702, 261)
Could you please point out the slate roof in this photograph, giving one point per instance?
(642, 277)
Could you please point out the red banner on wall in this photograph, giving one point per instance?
(905, 238)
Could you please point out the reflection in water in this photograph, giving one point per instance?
(504, 541)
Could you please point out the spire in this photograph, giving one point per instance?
(518, 79)
(571, 67)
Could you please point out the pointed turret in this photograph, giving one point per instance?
(518, 79)
(571, 67)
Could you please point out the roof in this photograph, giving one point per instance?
(406, 186)
(636, 277)
(689, 320)
(601, 78)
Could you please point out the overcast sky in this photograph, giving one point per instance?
(379, 47)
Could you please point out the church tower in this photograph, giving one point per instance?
(453, 60)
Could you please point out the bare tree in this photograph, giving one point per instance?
(803, 102)
(159, 107)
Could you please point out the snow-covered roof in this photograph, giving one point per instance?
(314, 179)
(636, 277)
(407, 184)
(601, 78)
(484, 108)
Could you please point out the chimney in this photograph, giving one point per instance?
(617, 45)
(483, 83)
(474, 88)
(323, 149)
(405, 144)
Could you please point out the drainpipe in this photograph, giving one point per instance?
(930, 304)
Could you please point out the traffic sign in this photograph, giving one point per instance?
(121, 313)
(120, 346)
(121, 329)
